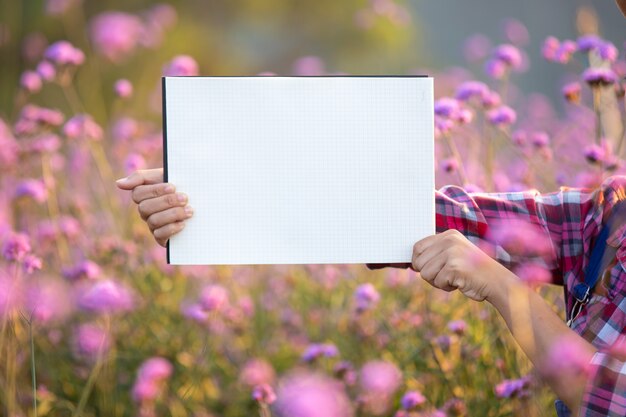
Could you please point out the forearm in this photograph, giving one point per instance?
(538, 330)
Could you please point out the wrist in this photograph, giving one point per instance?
(503, 285)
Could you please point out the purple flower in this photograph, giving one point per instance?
(83, 270)
(565, 51)
(214, 297)
(16, 246)
(588, 43)
(458, 326)
(45, 143)
(344, 370)
(32, 263)
(412, 399)
(470, 89)
(510, 388)
(309, 65)
(599, 76)
(115, 35)
(91, 341)
(64, 53)
(540, 139)
(502, 116)
(32, 118)
(123, 88)
(82, 126)
(181, 65)
(317, 350)
(447, 107)
(509, 54)
(106, 296)
(33, 188)
(607, 51)
(366, 297)
(495, 68)
(31, 81)
(257, 372)
(312, 395)
(263, 394)
(491, 99)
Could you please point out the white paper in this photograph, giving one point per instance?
(301, 170)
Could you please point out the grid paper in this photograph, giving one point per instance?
(300, 170)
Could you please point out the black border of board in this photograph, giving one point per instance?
(163, 114)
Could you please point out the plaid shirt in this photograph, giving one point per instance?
(570, 219)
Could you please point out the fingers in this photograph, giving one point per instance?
(144, 192)
(141, 177)
(169, 216)
(162, 234)
(430, 270)
(150, 206)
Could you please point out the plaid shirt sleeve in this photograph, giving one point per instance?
(605, 394)
(476, 214)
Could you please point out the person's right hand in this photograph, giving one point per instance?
(159, 205)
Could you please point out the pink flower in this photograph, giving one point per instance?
(91, 341)
(257, 372)
(48, 301)
(263, 394)
(449, 165)
(124, 129)
(533, 273)
(447, 107)
(309, 65)
(565, 51)
(378, 383)
(134, 162)
(509, 54)
(123, 88)
(608, 52)
(566, 353)
(64, 53)
(214, 297)
(515, 32)
(115, 35)
(345, 372)
(155, 369)
(550, 47)
(82, 126)
(33, 188)
(32, 118)
(31, 263)
(31, 81)
(312, 395)
(476, 47)
(540, 139)
(181, 65)
(16, 246)
(11, 295)
(366, 297)
(105, 296)
(495, 68)
(522, 238)
(587, 43)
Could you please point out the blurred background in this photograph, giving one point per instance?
(93, 322)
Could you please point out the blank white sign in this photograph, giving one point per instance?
(300, 170)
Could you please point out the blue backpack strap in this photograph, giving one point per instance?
(597, 260)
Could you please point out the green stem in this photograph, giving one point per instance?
(596, 109)
(32, 365)
(88, 387)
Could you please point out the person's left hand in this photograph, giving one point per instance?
(449, 261)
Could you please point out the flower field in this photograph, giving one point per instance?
(93, 322)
